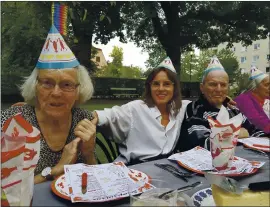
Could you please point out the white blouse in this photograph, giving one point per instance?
(138, 128)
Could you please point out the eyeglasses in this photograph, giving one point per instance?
(165, 84)
(49, 84)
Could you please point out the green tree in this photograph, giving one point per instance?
(240, 85)
(23, 34)
(116, 68)
(117, 56)
(97, 21)
(156, 54)
(131, 72)
(179, 25)
(189, 63)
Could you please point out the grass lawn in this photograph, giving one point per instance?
(96, 104)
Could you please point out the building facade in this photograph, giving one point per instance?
(257, 53)
(99, 58)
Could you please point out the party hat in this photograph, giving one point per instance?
(167, 63)
(59, 17)
(213, 65)
(55, 53)
(255, 73)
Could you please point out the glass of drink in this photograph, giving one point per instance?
(152, 197)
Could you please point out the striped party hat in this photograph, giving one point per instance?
(55, 53)
(255, 73)
(167, 63)
(213, 65)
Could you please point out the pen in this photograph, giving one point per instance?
(84, 183)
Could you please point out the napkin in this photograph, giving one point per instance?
(20, 144)
(223, 138)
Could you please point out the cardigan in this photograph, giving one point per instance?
(251, 108)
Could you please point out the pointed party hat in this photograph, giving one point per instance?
(167, 63)
(55, 53)
(255, 73)
(255, 77)
(213, 65)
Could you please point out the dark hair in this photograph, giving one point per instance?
(176, 102)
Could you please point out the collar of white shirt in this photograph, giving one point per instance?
(157, 115)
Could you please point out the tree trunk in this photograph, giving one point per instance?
(175, 54)
(82, 51)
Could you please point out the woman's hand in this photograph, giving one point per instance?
(86, 131)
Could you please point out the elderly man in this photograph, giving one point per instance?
(214, 87)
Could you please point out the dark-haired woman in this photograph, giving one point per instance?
(147, 129)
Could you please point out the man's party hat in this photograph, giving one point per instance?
(213, 65)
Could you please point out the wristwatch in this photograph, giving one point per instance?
(47, 173)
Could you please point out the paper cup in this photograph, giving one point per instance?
(222, 145)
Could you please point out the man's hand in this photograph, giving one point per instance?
(86, 131)
(243, 133)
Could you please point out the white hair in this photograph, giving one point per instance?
(254, 83)
(85, 89)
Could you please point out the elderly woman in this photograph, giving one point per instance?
(147, 129)
(251, 102)
(52, 92)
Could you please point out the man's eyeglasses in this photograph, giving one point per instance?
(165, 84)
(66, 86)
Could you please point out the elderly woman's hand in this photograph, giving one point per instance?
(86, 131)
(69, 155)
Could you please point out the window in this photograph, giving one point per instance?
(233, 49)
(243, 49)
(98, 59)
(268, 57)
(267, 69)
(255, 58)
(257, 46)
(243, 59)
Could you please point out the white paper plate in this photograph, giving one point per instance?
(60, 188)
(203, 198)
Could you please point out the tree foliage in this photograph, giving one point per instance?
(116, 68)
(227, 59)
(193, 65)
(240, 85)
(23, 32)
(117, 56)
(93, 21)
(180, 25)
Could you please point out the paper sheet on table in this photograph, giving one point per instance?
(104, 182)
(261, 142)
(255, 140)
(20, 144)
(200, 159)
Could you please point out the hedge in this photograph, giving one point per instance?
(103, 87)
